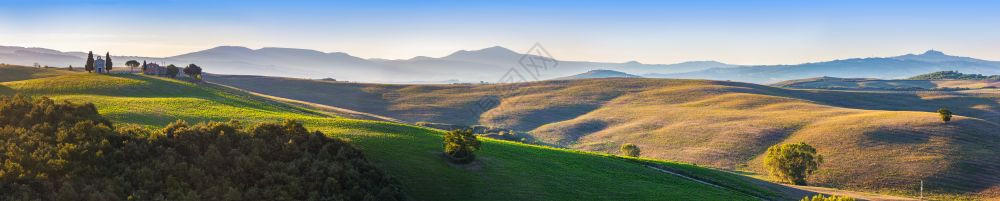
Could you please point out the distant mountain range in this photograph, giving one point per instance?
(493, 63)
(488, 64)
(882, 68)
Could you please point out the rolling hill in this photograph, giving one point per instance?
(879, 84)
(505, 171)
(599, 74)
(873, 141)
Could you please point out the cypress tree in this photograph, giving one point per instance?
(107, 63)
(90, 62)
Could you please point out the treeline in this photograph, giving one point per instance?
(954, 75)
(67, 151)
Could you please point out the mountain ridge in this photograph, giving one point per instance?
(491, 63)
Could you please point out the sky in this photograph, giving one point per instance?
(737, 32)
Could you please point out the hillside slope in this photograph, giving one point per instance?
(878, 84)
(874, 141)
(505, 171)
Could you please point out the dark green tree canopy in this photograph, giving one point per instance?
(90, 62)
(65, 151)
(193, 71)
(792, 163)
(172, 71)
(132, 64)
(107, 62)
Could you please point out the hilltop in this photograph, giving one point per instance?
(954, 75)
(599, 74)
(874, 141)
(506, 171)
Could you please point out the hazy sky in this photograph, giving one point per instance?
(740, 32)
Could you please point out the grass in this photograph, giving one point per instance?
(505, 171)
(874, 141)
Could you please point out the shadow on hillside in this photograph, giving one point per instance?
(976, 160)
(970, 160)
(963, 104)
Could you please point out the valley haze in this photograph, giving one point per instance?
(488, 64)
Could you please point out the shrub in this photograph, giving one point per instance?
(630, 149)
(792, 163)
(945, 114)
(820, 197)
(460, 144)
(64, 151)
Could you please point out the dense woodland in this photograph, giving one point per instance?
(954, 75)
(67, 151)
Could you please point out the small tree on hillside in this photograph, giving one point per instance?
(144, 65)
(460, 144)
(792, 162)
(945, 114)
(70, 67)
(107, 63)
(89, 67)
(193, 71)
(132, 64)
(630, 149)
(172, 71)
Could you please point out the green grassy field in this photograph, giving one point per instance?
(874, 141)
(505, 171)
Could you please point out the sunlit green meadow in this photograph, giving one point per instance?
(504, 171)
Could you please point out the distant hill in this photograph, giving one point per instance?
(599, 74)
(953, 75)
(870, 140)
(898, 67)
(879, 84)
(487, 64)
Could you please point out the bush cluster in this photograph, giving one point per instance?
(66, 151)
(820, 197)
(460, 144)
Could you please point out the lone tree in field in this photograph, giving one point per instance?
(107, 62)
(945, 114)
(132, 64)
(792, 163)
(193, 71)
(70, 67)
(172, 71)
(89, 67)
(460, 144)
(630, 149)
